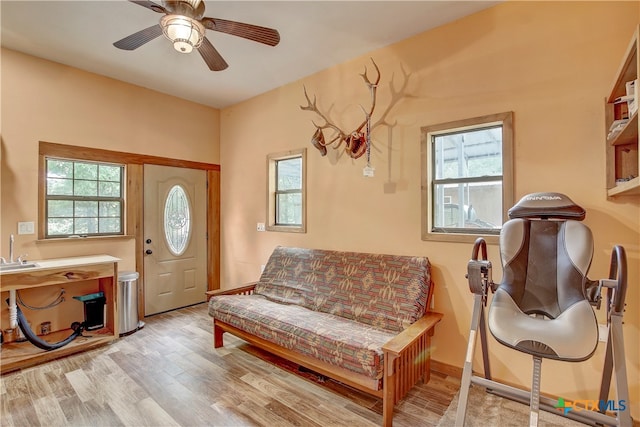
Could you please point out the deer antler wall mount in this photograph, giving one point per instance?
(358, 141)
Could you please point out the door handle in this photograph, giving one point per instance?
(148, 252)
(148, 241)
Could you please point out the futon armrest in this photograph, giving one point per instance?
(242, 290)
(406, 338)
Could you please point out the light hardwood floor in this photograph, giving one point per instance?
(169, 374)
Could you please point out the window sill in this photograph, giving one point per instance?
(287, 228)
(84, 239)
(491, 239)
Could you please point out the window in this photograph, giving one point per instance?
(83, 198)
(177, 220)
(467, 175)
(286, 199)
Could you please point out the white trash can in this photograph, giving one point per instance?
(128, 302)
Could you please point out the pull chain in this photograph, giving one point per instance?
(368, 170)
(368, 141)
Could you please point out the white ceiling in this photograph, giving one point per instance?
(314, 35)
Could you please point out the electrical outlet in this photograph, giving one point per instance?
(26, 227)
(45, 328)
(260, 226)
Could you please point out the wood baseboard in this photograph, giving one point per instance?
(446, 369)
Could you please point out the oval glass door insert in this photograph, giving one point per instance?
(177, 220)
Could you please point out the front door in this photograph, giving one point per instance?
(175, 234)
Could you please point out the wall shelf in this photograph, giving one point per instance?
(628, 134)
(622, 147)
(628, 188)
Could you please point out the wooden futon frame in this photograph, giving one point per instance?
(406, 357)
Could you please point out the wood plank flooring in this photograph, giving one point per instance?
(169, 374)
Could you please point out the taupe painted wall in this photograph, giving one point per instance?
(46, 101)
(551, 63)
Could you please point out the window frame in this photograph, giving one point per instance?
(272, 191)
(428, 170)
(75, 198)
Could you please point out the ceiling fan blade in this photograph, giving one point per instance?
(136, 40)
(256, 33)
(150, 5)
(214, 60)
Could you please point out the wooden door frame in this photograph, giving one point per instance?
(134, 165)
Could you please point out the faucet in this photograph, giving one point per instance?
(11, 240)
(3, 260)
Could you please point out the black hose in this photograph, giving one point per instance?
(40, 343)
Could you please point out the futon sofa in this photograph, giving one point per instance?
(359, 318)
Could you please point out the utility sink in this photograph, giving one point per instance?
(16, 266)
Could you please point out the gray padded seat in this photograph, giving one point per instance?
(540, 308)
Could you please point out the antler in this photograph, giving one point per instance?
(311, 106)
(396, 96)
(355, 140)
(358, 142)
(373, 90)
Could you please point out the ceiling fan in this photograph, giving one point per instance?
(184, 24)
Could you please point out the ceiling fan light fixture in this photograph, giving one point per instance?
(193, 3)
(184, 32)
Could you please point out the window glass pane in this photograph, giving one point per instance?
(289, 174)
(471, 153)
(59, 168)
(85, 171)
(109, 225)
(177, 220)
(93, 197)
(59, 187)
(85, 225)
(60, 208)
(110, 173)
(109, 209)
(86, 209)
(85, 188)
(468, 205)
(289, 209)
(109, 189)
(59, 226)
(286, 202)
